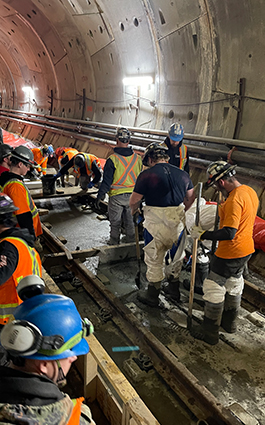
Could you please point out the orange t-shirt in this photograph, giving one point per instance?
(238, 211)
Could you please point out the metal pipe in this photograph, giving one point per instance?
(160, 133)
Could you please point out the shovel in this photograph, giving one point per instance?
(138, 255)
(194, 257)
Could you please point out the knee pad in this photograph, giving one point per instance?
(235, 285)
(213, 292)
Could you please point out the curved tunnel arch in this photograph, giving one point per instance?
(80, 50)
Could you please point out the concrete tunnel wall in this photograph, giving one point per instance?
(197, 51)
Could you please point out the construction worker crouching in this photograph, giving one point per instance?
(119, 177)
(43, 338)
(11, 183)
(177, 151)
(224, 286)
(41, 156)
(168, 193)
(18, 258)
(87, 168)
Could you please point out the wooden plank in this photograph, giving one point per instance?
(60, 258)
(121, 389)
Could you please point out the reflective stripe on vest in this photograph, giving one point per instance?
(127, 169)
(76, 412)
(182, 156)
(29, 263)
(31, 205)
(89, 158)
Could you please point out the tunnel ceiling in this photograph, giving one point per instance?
(206, 59)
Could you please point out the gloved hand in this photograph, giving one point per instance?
(197, 232)
(56, 176)
(97, 203)
(90, 185)
(135, 218)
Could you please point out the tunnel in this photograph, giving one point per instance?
(142, 63)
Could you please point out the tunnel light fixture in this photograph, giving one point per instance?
(28, 90)
(137, 81)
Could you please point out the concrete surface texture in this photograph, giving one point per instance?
(69, 59)
(233, 370)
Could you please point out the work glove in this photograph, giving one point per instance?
(56, 176)
(197, 232)
(135, 218)
(90, 185)
(97, 203)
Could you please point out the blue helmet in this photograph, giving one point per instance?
(176, 132)
(46, 327)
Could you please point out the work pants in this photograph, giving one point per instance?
(226, 276)
(163, 227)
(120, 213)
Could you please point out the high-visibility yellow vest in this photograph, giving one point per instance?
(127, 169)
(28, 263)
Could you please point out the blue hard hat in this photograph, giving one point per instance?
(50, 150)
(176, 132)
(46, 327)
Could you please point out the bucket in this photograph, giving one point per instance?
(48, 185)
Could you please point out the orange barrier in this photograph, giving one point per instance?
(14, 140)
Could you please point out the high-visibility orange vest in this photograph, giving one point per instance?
(28, 263)
(41, 160)
(89, 158)
(127, 169)
(182, 156)
(70, 152)
(22, 199)
(76, 412)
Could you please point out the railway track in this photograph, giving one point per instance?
(164, 357)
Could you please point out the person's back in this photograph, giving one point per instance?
(163, 185)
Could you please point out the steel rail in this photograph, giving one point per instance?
(195, 396)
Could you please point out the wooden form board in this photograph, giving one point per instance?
(104, 382)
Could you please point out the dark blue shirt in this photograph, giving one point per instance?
(163, 185)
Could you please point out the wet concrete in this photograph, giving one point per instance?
(233, 370)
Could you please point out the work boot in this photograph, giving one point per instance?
(209, 330)
(172, 289)
(230, 313)
(113, 241)
(150, 296)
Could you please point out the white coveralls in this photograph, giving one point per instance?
(165, 224)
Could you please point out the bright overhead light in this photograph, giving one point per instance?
(137, 81)
(28, 90)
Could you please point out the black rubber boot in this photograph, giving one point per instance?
(150, 296)
(209, 331)
(230, 313)
(172, 289)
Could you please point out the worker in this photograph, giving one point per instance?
(18, 258)
(177, 151)
(11, 183)
(86, 166)
(168, 192)
(44, 338)
(119, 177)
(223, 287)
(5, 154)
(64, 155)
(41, 156)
